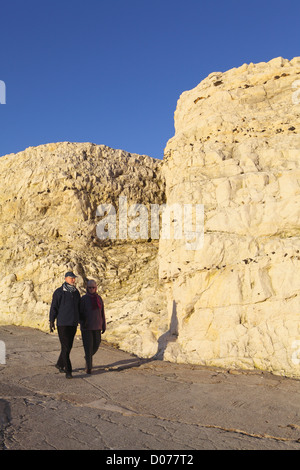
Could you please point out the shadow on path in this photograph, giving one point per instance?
(170, 336)
(5, 417)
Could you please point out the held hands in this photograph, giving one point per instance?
(52, 327)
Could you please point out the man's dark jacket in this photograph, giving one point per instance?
(65, 307)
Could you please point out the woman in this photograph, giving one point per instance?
(92, 322)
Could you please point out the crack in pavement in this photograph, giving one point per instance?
(103, 405)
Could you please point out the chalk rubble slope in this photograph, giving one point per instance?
(48, 221)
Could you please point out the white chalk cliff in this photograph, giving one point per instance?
(236, 150)
(233, 303)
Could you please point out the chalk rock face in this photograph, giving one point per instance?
(236, 150)
(229, 300)
(48, 225)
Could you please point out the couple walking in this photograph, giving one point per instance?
(68, 309)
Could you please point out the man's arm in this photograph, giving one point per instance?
(54, 309)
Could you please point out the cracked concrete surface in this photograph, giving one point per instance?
(134, 404)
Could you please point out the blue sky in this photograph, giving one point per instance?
(111, 71)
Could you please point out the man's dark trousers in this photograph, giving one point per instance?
(66, 336)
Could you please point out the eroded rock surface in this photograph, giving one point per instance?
(48, 225)
(236, 150)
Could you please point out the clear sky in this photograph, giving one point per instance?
(111, 71)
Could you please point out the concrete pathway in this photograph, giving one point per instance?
(133, 404)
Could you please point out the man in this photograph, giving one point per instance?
(92, 322)
(65, 310)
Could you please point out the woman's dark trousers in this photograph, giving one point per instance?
(66, 336)
(91, 341)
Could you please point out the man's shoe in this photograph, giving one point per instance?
(69, 375)
(61, 369)
(88, 371)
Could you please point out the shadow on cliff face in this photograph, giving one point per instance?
(170, 336)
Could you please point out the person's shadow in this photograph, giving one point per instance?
(170, 336)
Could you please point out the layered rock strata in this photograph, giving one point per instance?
(236, 150)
